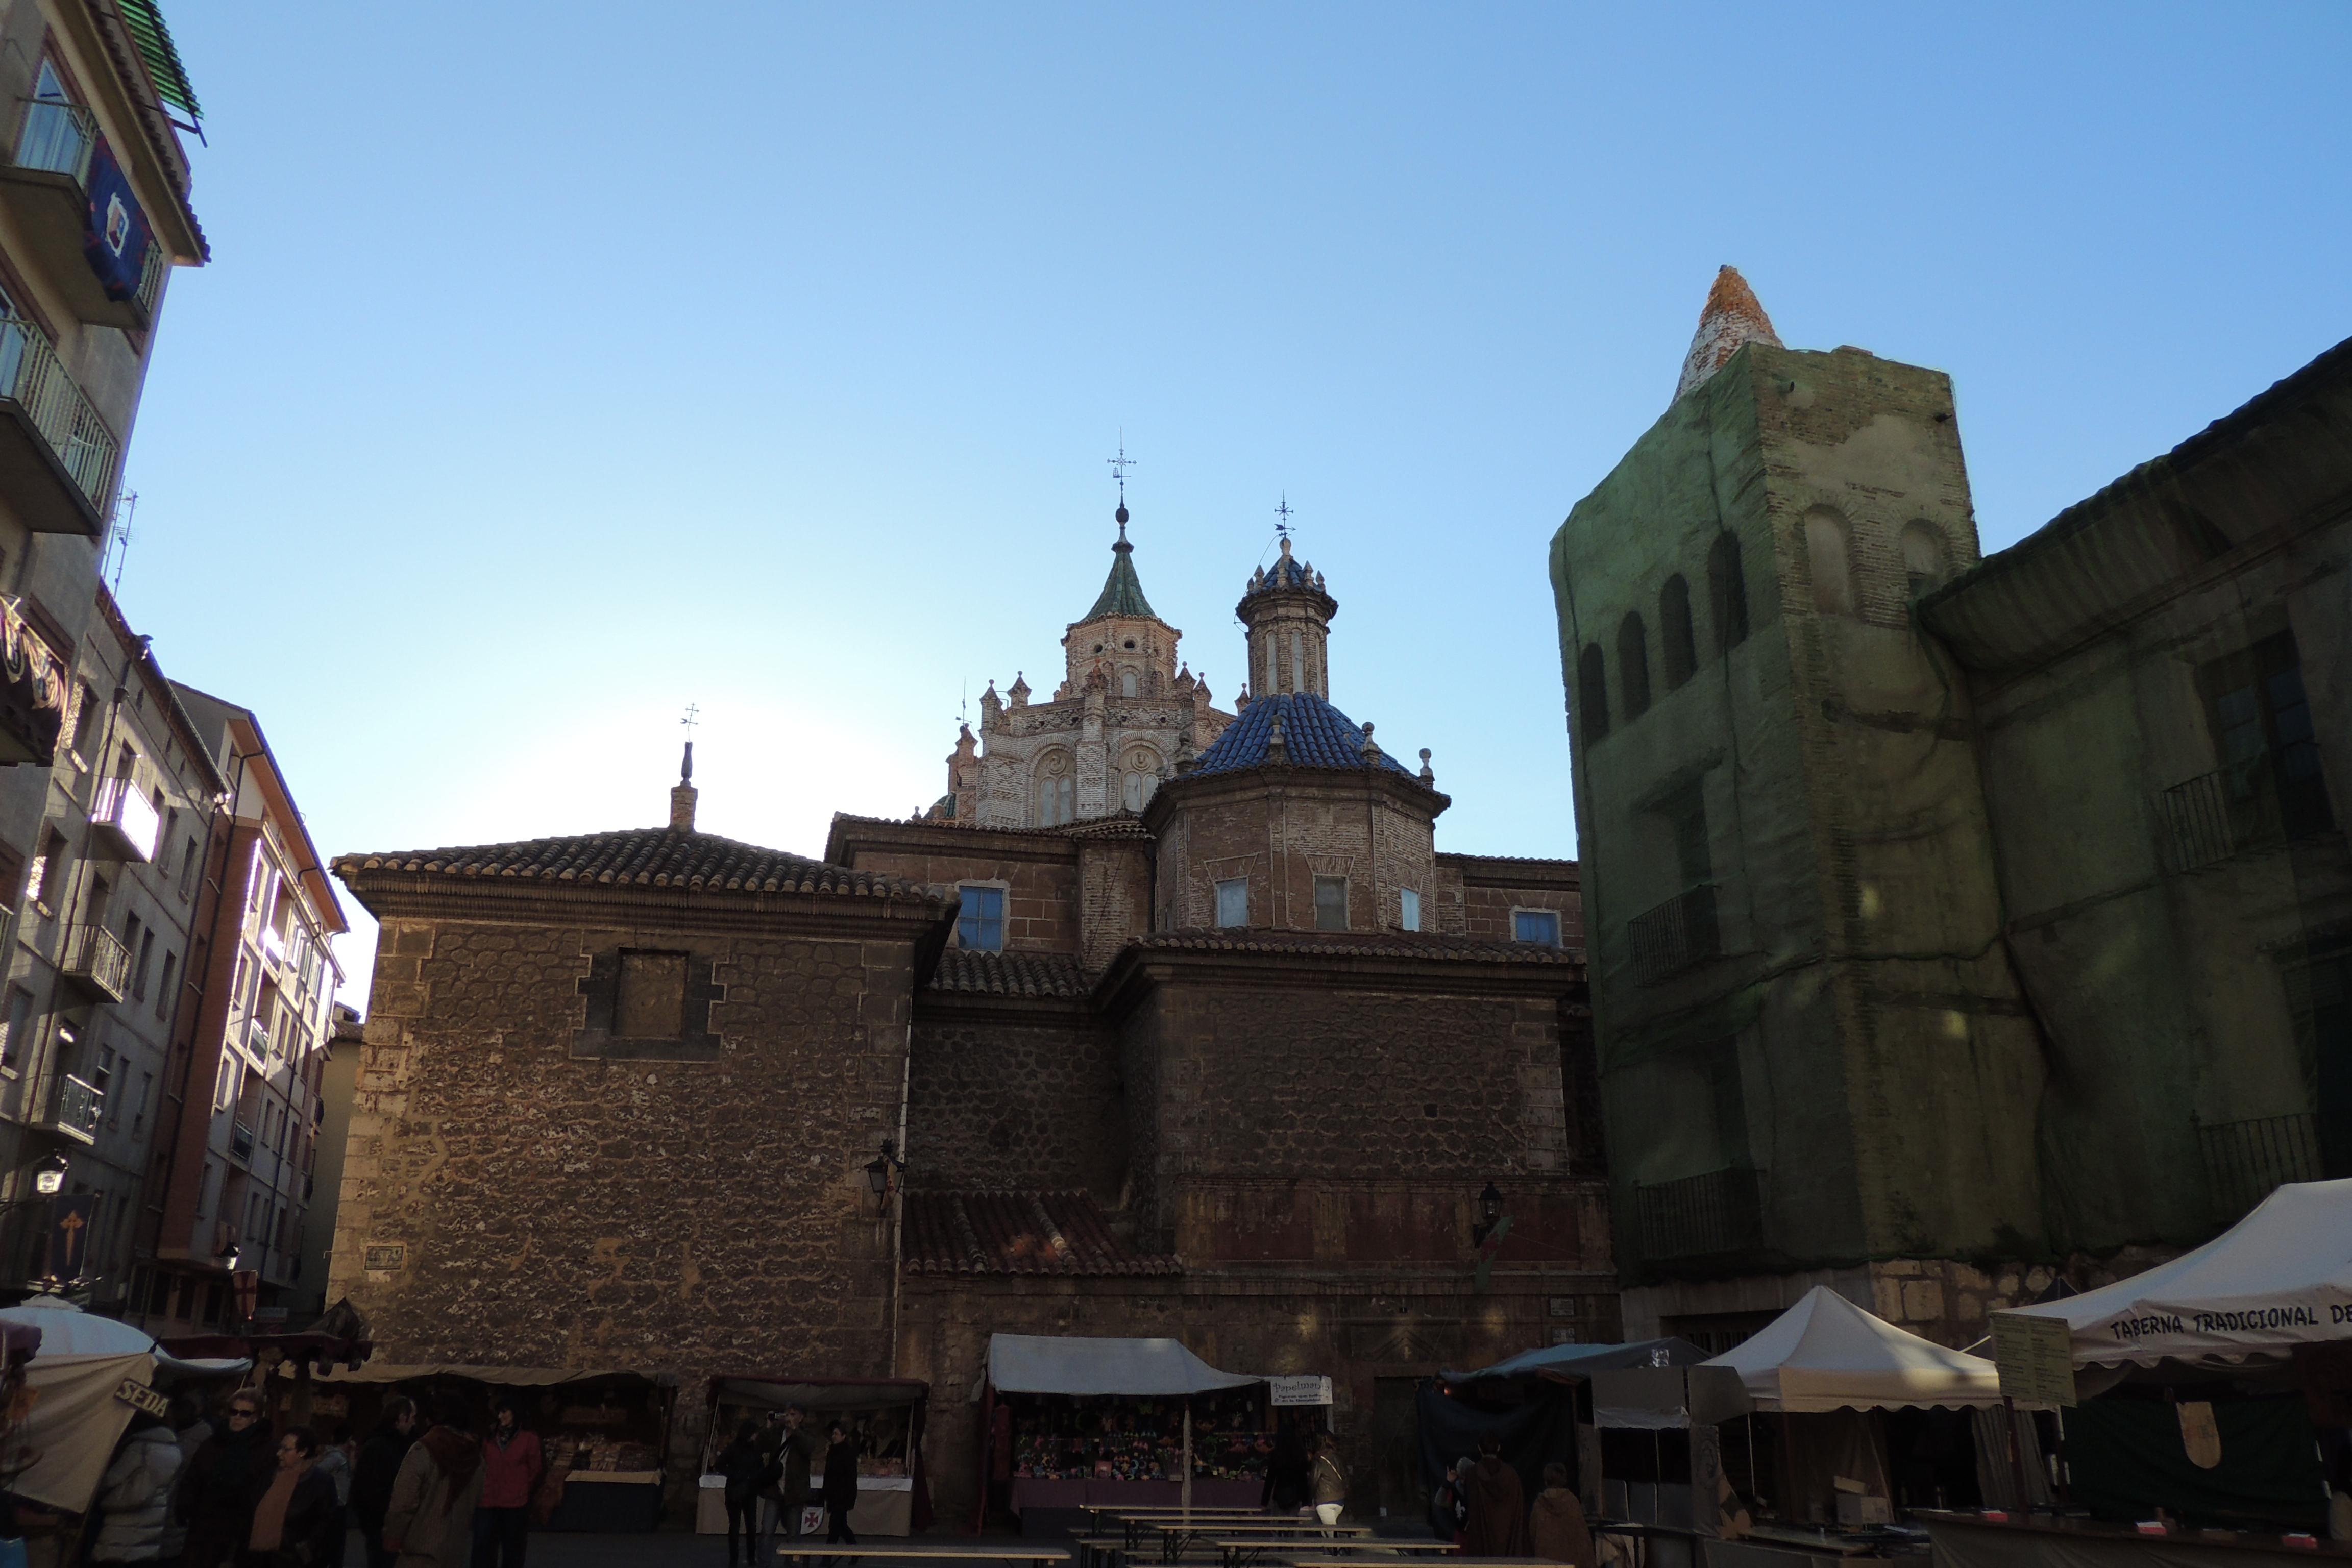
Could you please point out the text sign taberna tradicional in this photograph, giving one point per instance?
(2035, 1357)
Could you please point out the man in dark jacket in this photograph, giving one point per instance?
(372, 1476)
(1498, 1510)
(795, 1452)
(222, 1483)
(298, 1521)
(840, 1487)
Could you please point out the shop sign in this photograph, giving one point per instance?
(385, 1257)
(142, 1398)
(1300, 1390)
(2035, 1357)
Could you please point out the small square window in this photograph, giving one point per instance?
(1233, 902)
(651, 1001)
(1330, 903)
(1408, 909)
(1537, 926)
(981, 924)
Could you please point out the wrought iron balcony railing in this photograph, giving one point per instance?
(2245, 1162)
(240, 1141)
(76, 1108)
(97, 962)
(125, 819)
(1674, 936)
(1708, 1215)
(32, 376)
(61, 138)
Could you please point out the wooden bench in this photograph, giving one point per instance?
(1175, 1537)
(1242, 1551)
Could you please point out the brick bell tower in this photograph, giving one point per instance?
(1290, 619)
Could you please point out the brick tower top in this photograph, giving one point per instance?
(1121, 641)
(1290, 619)
(1732, 319)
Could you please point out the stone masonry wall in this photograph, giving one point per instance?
(505, 1202)
(1311, 823)
(1039, 873)
(1478, 894)
(1007, 1098)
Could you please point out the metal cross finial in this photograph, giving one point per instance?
(1120, 465)
(1283, 512)
(693, 717)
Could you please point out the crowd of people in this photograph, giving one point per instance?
(423, 1491)
(774, 1471)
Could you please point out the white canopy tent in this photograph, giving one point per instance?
(77, 1418)
(1826, 1353)
(2280, 1277)
(1046, 1363)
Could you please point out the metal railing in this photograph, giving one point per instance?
(32, 375)
(118, 805)
(240, 1141)
(59, 138)
(257, 1040)
(78, 1106)
(96, 958)
(2245, 1162)
(2197, 826)
(1703, 1215)
(1675, 935)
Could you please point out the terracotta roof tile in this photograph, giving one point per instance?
(644, 857)
(1009, 973)
(1019, 1233)
(1360, 944)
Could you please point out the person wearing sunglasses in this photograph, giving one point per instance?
(223, 1482)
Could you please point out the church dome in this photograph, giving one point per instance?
(1314, 735)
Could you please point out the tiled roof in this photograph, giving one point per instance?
(645, 857)
(1358, 944)
(1122, 591)
(1018, 1233)
(1314, 735)
(972, 971)
(1119, 825)
(1287, 572)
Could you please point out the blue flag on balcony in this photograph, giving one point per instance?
(115, 237)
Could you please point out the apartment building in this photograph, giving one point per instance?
(234, 1167)
(100, 777)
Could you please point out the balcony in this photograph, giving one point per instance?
(240, 1141)
(1704, 1216)
(96, 962)
(1674, 936)
(2277, 797)
(123, 821)
(48, 191)
(75, 1108)
(2245, 1162)
(56, 456)
(257, 1040)
(33, 693)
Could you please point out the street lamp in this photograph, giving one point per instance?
(1490, 1210)
(880, 1169)
(50, 1176)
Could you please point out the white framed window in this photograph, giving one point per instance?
(1233, 901)
(1408, 909)
(1540, 926)
(1330, 903)
(979, 924)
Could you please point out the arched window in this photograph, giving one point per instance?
(1826, 543)
(1727, 593)
(1923, 556)
(1633, 666)
(1127, 683)
(1058, 791)
(1142, 778)
(1591, 693)
(1674, 631)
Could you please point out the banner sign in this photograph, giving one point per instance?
(2035, 1357)
(33, 690)
(70, 1217)
(114, 236)
(1300, 1390)
(142, 1398)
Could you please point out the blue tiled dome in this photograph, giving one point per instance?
(1314, 735)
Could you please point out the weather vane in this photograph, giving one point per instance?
(1120, 464)
(693, 717)
(1283, 512)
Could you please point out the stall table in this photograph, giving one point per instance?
(1973, 1542)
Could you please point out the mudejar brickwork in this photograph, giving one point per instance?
(1211, 1043)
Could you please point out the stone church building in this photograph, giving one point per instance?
(1178, 1019)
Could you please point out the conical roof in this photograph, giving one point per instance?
(1731, 320)
(1122, 593)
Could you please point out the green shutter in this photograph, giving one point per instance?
(146, 23)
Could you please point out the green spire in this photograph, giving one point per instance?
(1122, 591)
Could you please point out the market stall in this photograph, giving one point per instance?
(2210, 1385)
(85, 1381)
(1072, 1423)
(605, 1432)
(885, 1416)
(1830, 1382)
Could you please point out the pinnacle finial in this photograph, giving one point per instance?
(1730, 320)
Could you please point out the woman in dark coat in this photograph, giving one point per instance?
(222, 1483)
(840, 1487)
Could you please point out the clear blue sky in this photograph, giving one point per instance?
(562, 364)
